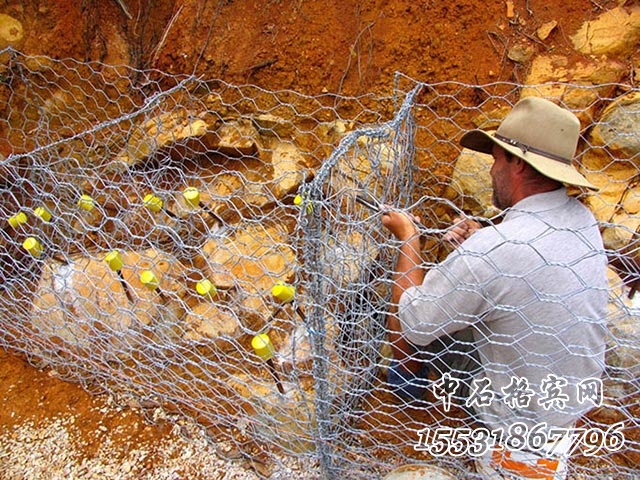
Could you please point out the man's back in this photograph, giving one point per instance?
(546, 276)
(535, 289)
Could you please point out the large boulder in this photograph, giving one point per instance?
(181, 133)
(612, 165)
(85, 307)
(615, 32)
(252, 260)
(575, 85)
(470, 183)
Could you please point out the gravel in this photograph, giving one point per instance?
(57, 449)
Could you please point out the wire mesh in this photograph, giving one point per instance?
(198, 246)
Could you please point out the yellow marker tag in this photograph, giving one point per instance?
(18, 219)
(33, 246)
(43, 213)
(149, 280)
(298, 200)
(153, 203)
(114, 259)
(283, 292)
(192, 196)
(206, 288)
(262, 346)
(86, 203)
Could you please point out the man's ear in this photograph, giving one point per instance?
(519, 164)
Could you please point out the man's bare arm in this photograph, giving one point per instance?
(408, 273)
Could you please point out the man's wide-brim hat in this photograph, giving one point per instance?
(541, 133)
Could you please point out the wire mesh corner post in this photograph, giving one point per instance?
(346, 270)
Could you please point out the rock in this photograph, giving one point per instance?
(471, 183)
(611, 165)
(603, 203)
(285, 420)
(369, 162)
(271, 126)
(623, 352)
(491, 120)
(545, 29)
(11, 32)
(295, 352)
(615, 32)
(84, 304)
(211, 320)
(181, 133)
(237, 138)
(578, 86)
(521, 53)
(617, 128)
(616, 206)
(510, 9)
(164, 134)
(251, 260)
(623, 230)
(242, 191)
(347, 256)
(379, 157)
(253, 309)
(289, 168)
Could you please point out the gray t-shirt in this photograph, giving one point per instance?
(534, 290)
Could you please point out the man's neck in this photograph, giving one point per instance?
(527, 189)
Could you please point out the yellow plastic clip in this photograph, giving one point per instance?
(263, 347)
(283, 293)
(149, 280)
(115, 261)
(206, 288)
(153, 203)
(156, 205)
(18, 219)
(87, 203)
(33, 246)
(192, 196)
(299, 200)
(44, 213)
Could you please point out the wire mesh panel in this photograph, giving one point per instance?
(208, 248)
(347, 267)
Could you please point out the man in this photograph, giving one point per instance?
(519, 307)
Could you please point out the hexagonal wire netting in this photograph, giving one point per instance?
(199, 246)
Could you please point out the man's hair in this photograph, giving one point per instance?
(531, 174)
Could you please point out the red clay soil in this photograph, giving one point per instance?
(346, 47)
(310, 46)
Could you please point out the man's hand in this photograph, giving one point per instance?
(462, 229)
(401, 224)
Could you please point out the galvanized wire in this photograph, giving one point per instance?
(188, 217)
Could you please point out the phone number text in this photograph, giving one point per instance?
(477, 442)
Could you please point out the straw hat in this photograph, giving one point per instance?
(541, 133)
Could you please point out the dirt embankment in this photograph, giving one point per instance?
(310, 46)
